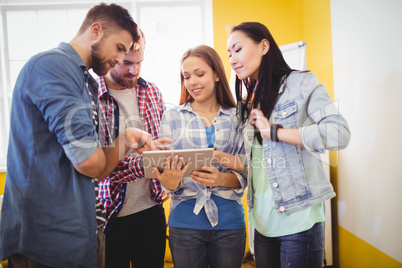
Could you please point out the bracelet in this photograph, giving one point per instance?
(274, 132)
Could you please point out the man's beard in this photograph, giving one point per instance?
(122, 80)
(99, 64)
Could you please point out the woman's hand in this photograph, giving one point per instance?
(288, 135)
(261, 123)
(210, 176)
(173, 171)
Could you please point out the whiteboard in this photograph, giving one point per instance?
(367, 82)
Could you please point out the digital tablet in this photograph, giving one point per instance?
(198, 157)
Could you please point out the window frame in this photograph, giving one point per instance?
(6, 86)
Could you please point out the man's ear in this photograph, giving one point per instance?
(264, 46)
(96, 30)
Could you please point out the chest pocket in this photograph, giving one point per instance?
(285, 115)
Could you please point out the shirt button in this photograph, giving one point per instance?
(284, 113)
(269, 160)
(215, 148)
(217, 130)
(281, 208)
(85, 72)
(214, 121)
(275, 185)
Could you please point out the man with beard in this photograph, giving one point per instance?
(49, 216)
(135, 228)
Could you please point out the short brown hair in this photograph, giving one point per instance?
(111, 17)
(210, 56)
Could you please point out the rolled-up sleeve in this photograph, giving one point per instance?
(65, 105)
(326, 128)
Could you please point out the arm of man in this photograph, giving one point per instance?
(103, 161)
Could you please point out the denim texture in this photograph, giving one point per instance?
(300, 250)
(48, 210)
(296, 173)
(207, 248)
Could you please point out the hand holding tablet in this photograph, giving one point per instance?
(197, 157)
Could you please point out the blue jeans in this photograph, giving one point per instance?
(300, 250)
(207, 248)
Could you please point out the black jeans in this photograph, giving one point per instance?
(139, 238)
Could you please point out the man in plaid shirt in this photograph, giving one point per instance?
(135, 226)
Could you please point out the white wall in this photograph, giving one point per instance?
(367, 56)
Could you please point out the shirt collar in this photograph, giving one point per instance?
(187, 107)
(282, 87)
(102, 86)
(72, 53)
(68, 49)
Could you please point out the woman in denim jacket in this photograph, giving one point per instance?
(288, 119)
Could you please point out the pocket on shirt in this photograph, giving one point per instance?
(285, 115)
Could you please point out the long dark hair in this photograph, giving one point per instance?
(272, 71)
(222, 90)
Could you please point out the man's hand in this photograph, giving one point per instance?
(156, 145)
(160, 144)
(137, 139)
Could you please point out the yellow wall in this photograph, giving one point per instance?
(284, 19)
(2, 182)
(355, 252)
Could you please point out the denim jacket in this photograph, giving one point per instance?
(296, 173)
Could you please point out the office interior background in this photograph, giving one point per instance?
(353, 46)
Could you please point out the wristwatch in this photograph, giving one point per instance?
(274, 132)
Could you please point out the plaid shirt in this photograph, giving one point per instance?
(187, 129)
(151, 108)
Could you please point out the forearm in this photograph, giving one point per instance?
(230, 180)
(113, 155)
(129, 169)
(94, 165)
(233, 162)
(290, 136)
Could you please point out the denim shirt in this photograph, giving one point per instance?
(48, 209)
(295, 172)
